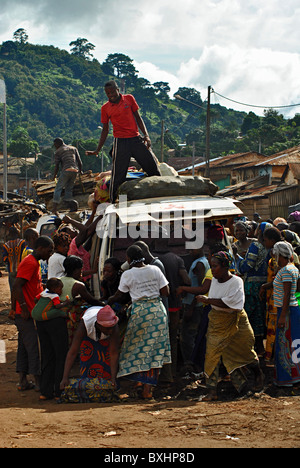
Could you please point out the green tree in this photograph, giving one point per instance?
(272, 117)
(21, 145)
(82, 48)
(190, 94)
(119, 65)
(162, 89)
(20, 36)
(250, 121)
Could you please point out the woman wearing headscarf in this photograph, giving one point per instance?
(146, 345)
(230, 338)
(271, 236)
(97, 339)
(293, 238)
(254, 270)
(287, 363)
(295, 216)
(279, 221)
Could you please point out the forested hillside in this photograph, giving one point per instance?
(52, 92)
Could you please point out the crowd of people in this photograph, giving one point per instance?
(227, 305)
(159, 317)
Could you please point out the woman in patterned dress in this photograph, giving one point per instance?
(287, 362)
(253, 268)
(271, 236)
(97, 338)
(146, 345)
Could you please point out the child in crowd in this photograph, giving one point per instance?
(48, 304)
(53, 337)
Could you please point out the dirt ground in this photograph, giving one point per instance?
(175, 419)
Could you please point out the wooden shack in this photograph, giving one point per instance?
(223, 171)
(275, 187)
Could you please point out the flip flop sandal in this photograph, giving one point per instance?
(27, 386)
(45, 398)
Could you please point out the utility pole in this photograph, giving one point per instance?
(207, 153)
(193, 173)
(3, 101)
(162, 139)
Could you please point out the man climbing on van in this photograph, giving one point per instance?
(68, 157)
(123, 112)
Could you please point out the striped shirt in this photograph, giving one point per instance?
(12, 253)
(69, 158)
(289, 274)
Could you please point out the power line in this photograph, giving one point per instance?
(250, 105)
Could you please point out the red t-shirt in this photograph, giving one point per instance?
(30, 270)
(121, 116)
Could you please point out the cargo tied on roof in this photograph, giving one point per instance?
(168, 186)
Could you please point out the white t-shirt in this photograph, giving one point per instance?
(231, 292)
(55, 266)
(143, 282)
(90, 318)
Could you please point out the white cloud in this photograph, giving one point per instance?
(153, 73)
(259, 77)
(247, 50)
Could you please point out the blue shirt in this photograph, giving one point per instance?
(255, 264)
(188, 299)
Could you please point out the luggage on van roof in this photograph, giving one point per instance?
(167, 186)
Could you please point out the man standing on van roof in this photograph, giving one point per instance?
(123, 112)
(68, 157)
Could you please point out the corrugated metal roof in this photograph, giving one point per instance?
(18, 162)
(278, 159)
(244, 191)
(238, 158)
(179, 163)
(295, 150)
(231, 160)
(281, 160)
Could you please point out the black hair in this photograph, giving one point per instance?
(111, 84)
(61, 238)
(53, 283)
(143, 246)
(134, 252)
(273, 234)
(57, 222)
(58, 141)
(217, 247)
(114, 262)
(43, 241)
(295, 226)
(29, 233)
(72, 263)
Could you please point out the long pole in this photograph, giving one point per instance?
(207, 154)
(162, 141)
(193, 172)
(4, 155)
(3, 101)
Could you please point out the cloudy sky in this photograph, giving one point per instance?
(247, 50)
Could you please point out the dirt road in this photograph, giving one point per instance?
(175, 419)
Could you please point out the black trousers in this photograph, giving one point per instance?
(123, 150)
(53, 337)
(28, 356)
